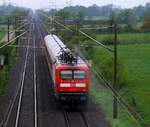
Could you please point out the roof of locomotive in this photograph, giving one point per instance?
(54, 46)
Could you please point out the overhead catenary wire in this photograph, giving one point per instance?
(65, 56)
(119, 98)
(22, 82)
(114, 92)
(18, 29)
(57, 22)
(12, 40)
(44, 26)
(83, 33)
(21, 26)
(109, 49)
(97, 28)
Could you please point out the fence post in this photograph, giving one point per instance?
(115, 105)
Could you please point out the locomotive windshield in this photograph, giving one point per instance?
(72, 74)
(79, 74)
(66, 74)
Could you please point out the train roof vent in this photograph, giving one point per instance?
(67, 57)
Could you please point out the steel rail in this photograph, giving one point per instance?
(10, 107)
(22, 84)
(86, 121)
(119, 98)
(35, 87)
(66, 118)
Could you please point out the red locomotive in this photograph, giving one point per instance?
(70, 74)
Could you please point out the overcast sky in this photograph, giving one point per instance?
(61, 3)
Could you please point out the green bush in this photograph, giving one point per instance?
(5, 71)
(108, 40)
(104, 62)
(3, 79)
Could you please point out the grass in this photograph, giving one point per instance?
(104, 99)
(5, 71)
(127, 38)
(1, 35)
(137, 61)
(3, 79)
(135, 25)
(137, 66)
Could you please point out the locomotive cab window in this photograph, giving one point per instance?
(66, 74)
(72, 74)
(78, 74)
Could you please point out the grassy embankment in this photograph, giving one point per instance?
(4, 72)
(135, 56)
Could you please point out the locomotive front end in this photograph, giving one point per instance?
(72, 83)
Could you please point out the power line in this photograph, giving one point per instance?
(83, 33)
(117, 95)
(12, 40)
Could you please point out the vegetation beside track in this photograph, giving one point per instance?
(6, 69)
(125, 38)
(4, 27)
(133, 61)
(137, 61)
(104, 100)
(1, 35)
(136, 88)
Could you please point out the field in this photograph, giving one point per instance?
(136, 59)
(137, 64)
(127, 38)
(134, 53)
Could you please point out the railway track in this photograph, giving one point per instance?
(30, 109)
(85, 121)
(25, 105)
(21, 104)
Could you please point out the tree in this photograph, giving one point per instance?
(63, 14)
(146, 26)
(80, 16)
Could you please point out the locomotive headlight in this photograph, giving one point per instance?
(80, 85)
(64, 84)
